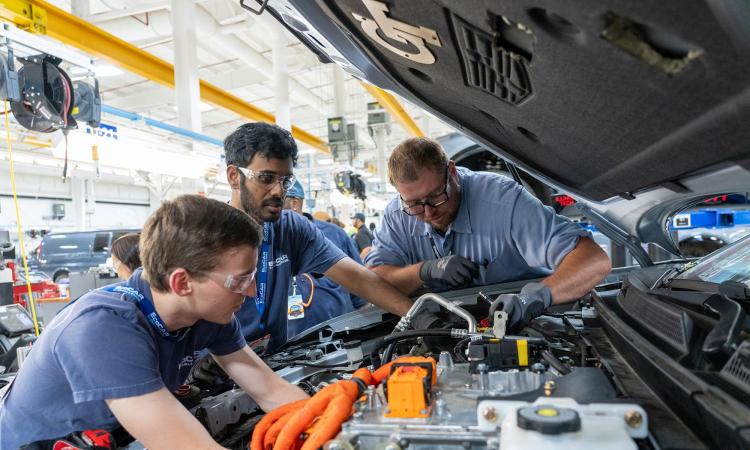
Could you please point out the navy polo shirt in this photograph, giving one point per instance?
(100, 347)
(297, 247)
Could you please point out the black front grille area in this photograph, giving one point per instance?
(737, 369)
(671, 324)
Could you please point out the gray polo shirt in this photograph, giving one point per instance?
(500, 226)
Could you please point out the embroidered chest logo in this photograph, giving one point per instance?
(283, 259)
(410, 41)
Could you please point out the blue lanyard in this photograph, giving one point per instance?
(148, 310)
(265, 251)
(435, 251)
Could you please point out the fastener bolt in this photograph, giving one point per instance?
(489, 414)
(549, 387)
(634, 419)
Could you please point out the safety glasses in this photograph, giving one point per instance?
(268, 180)
(235, 283)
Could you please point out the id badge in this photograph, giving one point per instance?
(295, 309)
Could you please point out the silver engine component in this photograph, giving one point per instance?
(467, 412)
(331, 354)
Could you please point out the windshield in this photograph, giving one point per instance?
(730, 263)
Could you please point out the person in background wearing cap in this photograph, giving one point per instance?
(450, 227)
(319, 297)
(363, 238)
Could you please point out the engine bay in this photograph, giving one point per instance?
(548, 384)
(607, 371)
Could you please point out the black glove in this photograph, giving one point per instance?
(531, 302)
(454, 271)
(208, 371)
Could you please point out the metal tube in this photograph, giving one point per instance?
(450, 306)
(157, 124)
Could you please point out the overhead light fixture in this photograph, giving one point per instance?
(107, 70)
(104, 70)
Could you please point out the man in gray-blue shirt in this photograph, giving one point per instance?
(451, 227)
(118, 353)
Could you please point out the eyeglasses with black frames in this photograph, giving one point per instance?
(416, 207)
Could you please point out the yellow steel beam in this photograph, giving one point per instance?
(92, 40)
(21, 13)
(394, 108)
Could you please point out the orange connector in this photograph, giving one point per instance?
(408, 389)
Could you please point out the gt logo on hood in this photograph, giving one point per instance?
(408, 35)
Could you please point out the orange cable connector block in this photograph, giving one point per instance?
(409, 387)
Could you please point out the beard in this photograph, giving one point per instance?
(268, 210)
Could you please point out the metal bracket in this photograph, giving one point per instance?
(25, 15)
(499, 322)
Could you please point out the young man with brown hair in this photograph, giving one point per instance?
(451, 227)
(118, 353)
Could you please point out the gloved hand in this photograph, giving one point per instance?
(208, 371)
(531, 302)
(454, 271)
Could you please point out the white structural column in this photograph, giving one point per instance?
(339, 91)
(84, 202)
(81, 8)
(187, 87)
(426, 122)
(281, 79)
(379, 133)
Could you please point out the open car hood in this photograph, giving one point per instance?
(624, 105)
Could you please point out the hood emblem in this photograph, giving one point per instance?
(413, 40)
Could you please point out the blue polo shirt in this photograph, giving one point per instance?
(100, 347)
(338, 236)
(499, 225)
(323, 298)
(297, 247)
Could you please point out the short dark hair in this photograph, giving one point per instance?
(125, 248)
(270, 141)
(192, 232)
(414, 155)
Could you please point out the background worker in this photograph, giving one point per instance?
(450, 227)
(260, 159)
(320, 298)
(199, 262)
(125, 255)
(363, 237)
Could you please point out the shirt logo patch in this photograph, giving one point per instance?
(188, 360)
(283, 259)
